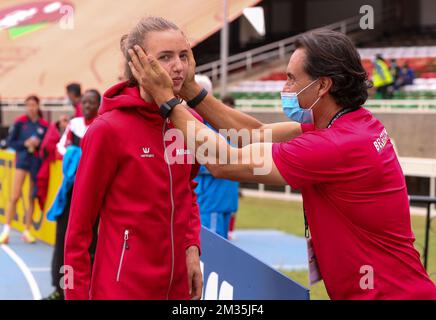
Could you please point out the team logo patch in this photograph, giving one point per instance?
(146, 153)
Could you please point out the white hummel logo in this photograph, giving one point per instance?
(146, 153)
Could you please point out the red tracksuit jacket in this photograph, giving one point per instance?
(147, 207)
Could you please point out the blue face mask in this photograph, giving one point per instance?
(292, 108)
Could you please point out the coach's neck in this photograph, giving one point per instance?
(324, 112)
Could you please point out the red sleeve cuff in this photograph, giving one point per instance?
(195, 243)
(305, 127)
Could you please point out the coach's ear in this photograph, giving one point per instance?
(325, 84)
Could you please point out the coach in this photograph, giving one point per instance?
(353, 188)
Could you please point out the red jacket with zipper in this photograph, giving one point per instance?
(147, 207)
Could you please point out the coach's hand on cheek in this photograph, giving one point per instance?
(190, 88)
(151, 76)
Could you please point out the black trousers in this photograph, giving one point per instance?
(386, 91)
(58, 253)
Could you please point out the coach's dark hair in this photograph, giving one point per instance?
(332, 54)
(137, 37)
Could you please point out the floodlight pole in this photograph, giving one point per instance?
(224, 50)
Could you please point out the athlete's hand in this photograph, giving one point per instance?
(190, 88)
(32, 142)
(36, 142)
(150, 75)
(27, 142)
(195, 277)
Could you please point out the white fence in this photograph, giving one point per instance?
(410, 105)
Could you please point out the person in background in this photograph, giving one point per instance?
(69, 147)
(48, 154)
(395, 71)
(407, 76)
(217, 198)
(382, 78)
(25, 138)
(2, 137)
(74, 93)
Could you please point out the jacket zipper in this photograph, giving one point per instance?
(172, 210)
(125, 247)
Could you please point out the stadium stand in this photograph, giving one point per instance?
(422, 60)
(42, 56)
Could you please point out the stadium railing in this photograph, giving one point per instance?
(281, 49)
(428, 201)
(274, 105)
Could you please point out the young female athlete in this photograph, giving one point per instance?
(148, 241)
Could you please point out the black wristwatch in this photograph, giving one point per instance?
(197, 100)
(166, 107)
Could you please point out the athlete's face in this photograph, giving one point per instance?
(170, 48)
(63, 122)
(32, 108)
(89, 105)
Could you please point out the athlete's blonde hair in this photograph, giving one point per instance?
(137, 37)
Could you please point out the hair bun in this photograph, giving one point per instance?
(123, 42)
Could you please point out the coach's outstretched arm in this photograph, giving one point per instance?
(251, 163)
(221, 116)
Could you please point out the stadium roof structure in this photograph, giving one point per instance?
(46, 44)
